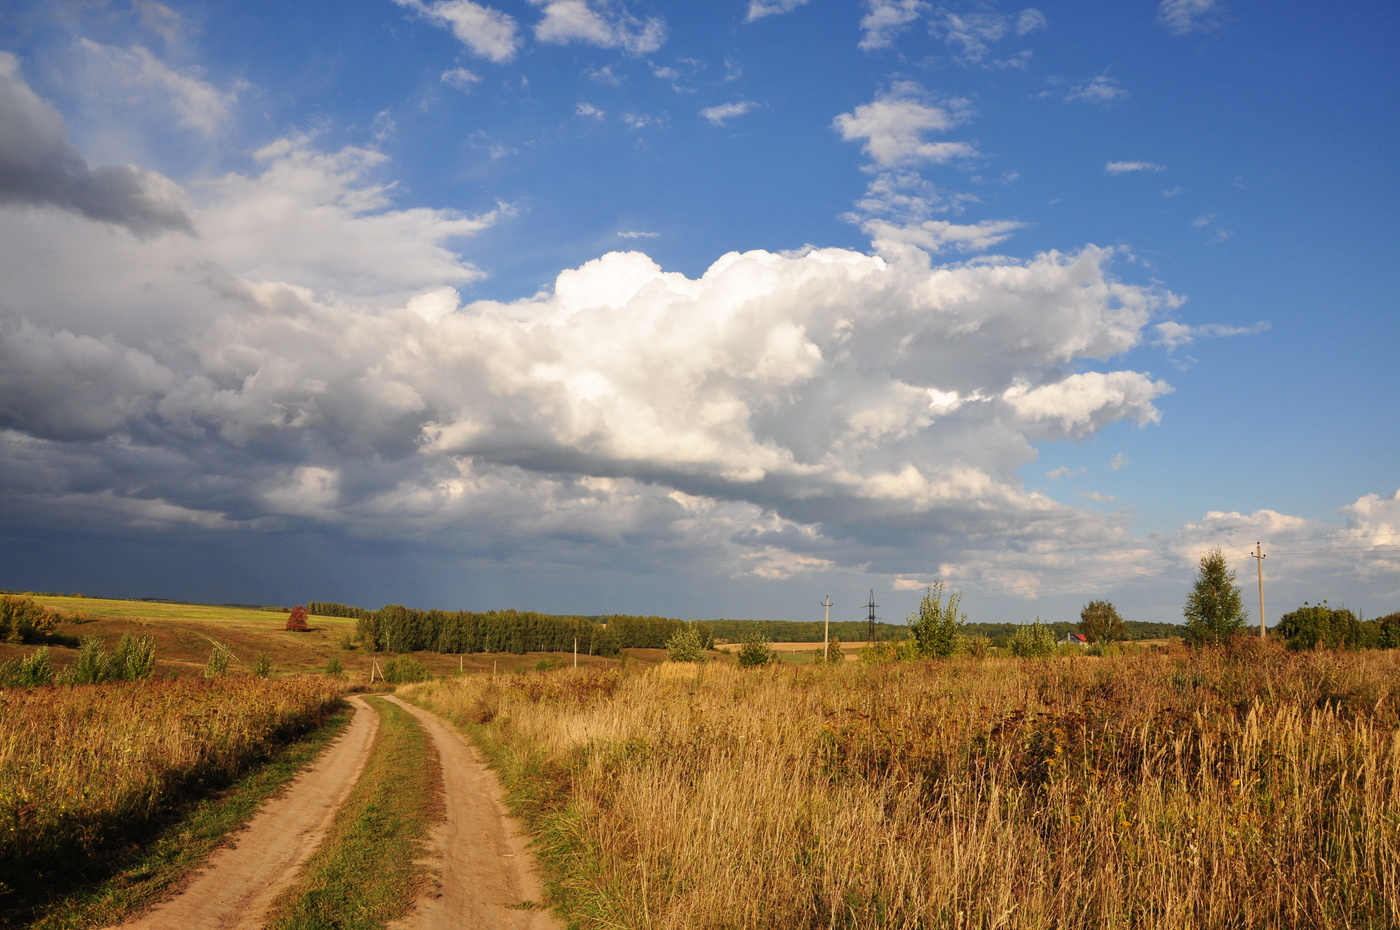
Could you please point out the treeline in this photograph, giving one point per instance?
(805, 631)
(332, 609)
(395, 628)
(1317, 625)
(1000, 633)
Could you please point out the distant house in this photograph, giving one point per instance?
(1075, 639)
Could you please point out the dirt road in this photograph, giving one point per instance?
(485, 874)
(240, 881)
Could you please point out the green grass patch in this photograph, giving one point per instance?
(140, 875)
(369, 870)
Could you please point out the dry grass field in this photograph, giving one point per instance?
(1162, 789)
(82, 768)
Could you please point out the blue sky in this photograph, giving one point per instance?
(699, 309)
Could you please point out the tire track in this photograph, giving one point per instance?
(235, 887)
(485, 871)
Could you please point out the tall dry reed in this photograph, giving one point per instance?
(80, 766)
(1212, 789)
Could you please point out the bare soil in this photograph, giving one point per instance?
(485, 875)
(235, 888)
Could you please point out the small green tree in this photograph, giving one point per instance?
(756, 651)
(333, 668)
(1100, 623)
(219, 657)
(834, 654)
(937, 628)
(686, 645)
(1033, 641)
(262, 667)
(94, 665)
(134, 659)
(35, 669)
(1214, 612)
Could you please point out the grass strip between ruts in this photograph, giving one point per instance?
(370, 868)
(186, 843)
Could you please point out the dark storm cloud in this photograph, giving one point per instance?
(39, 167)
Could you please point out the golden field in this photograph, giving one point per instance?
(1166, 789)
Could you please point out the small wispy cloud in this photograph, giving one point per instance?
(1102, 89)
(1129, 167)
(1098, 498)
(1182, 17)
(637, 234)
(1174, 335)
(761, 8)
(1064, 471)
(1119, 461)
(587, 109)
(721, 114)
(460, 78)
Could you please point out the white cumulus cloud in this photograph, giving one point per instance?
(602, 24)
(486, 31)
(719, 115)
(892, 128)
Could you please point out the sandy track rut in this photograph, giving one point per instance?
(235, 887)
(485, 870)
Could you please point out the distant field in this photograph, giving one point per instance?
(183, 635)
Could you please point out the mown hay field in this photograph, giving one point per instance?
(1247, 788)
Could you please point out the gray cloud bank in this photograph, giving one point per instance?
(305, 368)
(39, 167)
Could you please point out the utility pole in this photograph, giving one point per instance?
(575, 652)
(870, 636)
(1258, 556)
(826, 633)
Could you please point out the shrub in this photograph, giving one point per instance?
(937, 628)
(405, 670)
(219, 657)
(834, 655)
(1033, 641)
(347, 642)
(1317, 625)
(878, 653)
(334, 668)
(134, 659)
(33, 670)
(262, 666)
(756, 651)
(686, 645)
(24, 620)
(93, 667)
(296, 620)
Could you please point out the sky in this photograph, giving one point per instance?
(700, 309)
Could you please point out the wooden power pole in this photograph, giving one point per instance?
(1258, 556)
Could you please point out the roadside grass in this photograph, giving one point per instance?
(88, 772)
(1218, 788)
(371, 867)
(143, 874)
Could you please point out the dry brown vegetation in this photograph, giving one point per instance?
(81, 768)
(1247, 788)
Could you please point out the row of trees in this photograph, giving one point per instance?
(395, 628)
